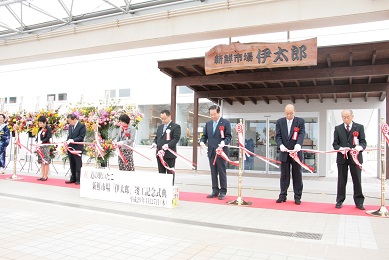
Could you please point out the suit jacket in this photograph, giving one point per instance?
(77, 134)
(282, 136)
(214, 139)
(160, 138)
(122, 136)
(45, 135)
(344, 139)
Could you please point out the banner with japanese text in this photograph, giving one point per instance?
(243, 56)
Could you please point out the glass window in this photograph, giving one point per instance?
(50, 97)
(12, 100)
(124, 92)
(62, 96)
(112, 93)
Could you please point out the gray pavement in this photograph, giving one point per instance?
(48, 222)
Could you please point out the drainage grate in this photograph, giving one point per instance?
(306, 235)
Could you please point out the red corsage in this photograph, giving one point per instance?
(127, 134)
(44, 132)
(221, 128)
(355, 138)
(295, 133)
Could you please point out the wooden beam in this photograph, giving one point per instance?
(320, 98)
(236, 86)
(293, 99)
(382, 97)
(314, 82)
(229, 101)
(306, 98)
(279, 99)
(264, 76)
(199, 69)
(281, 84)
(297, 83)
(335, 98)
(183, 71)
(265, 99)
(373, 57)
(168, 72)
(366, 95)
(369, 80)
(351, 97)
(329, 89)
(251, 85)
(253, 100)
(240, 100)
(350, 58)
(220, 87)
(328, 61)
(350, 80)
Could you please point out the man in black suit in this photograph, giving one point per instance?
(77, 132)
(349, 135)
(218, 133)
(167, 136)
(290, 131)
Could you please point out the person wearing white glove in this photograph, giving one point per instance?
(290, 132)
(76, 133)
(154, 145)
(167, 136)
(217, 132)
(202, 144)
(43, 137)
(349, 134)
(126, 135)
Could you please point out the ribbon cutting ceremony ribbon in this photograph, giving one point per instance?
(222, 154)
(185, 160)
(40, 153)
(263, 158)
(293, 154)
(161, 154)
(129, 147)
(239, 129)
(71, 149)
(385, 132)
(119, 152)
(98, 146)
(20, 145)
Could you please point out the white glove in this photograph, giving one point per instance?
(120, 142)
(70, 141)
(154, 145)
(165, 146)
(297, 147)
(283, 148)
(359, 148)
(343, 150)
(222, 144)
(202, 144)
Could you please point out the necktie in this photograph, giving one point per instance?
(289, 124)
(214, 126)
(348, 128)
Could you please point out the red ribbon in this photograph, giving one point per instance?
(121, 155)
(385, 131)
(180, 156)
(221, 153)
(20, 145)
(161, 154)
(40, 153)
(221, 128)
(294, 156)
(71, 149)
(129, 147)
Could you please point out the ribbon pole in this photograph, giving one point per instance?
(15, 177)
(383, 211)
(239, 200)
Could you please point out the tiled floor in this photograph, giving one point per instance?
(47, 222)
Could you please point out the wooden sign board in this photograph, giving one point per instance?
(243, 56)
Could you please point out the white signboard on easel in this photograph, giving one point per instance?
(145, 188)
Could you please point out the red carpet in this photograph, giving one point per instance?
(313, 207)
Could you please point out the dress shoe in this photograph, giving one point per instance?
(338, 205)
(43, 179)
(77, 183)
(297, 202)
(212, 195)
(68, 182)
(221, 196)
(361, 207)
(39, 179)
(281, 200)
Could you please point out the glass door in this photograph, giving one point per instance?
(260, 139)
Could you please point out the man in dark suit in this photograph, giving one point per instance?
(167, 136)
(77, 132)
(349, 135)
(218, 133)
(290, 131)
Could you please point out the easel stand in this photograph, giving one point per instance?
(239, 201)
(14, 177)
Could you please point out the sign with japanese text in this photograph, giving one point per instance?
(243, 56)
(145, 188)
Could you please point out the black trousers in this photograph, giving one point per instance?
(296, 176)
(218, 173)
(342, 182)
(171, 162)
(75, 167)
